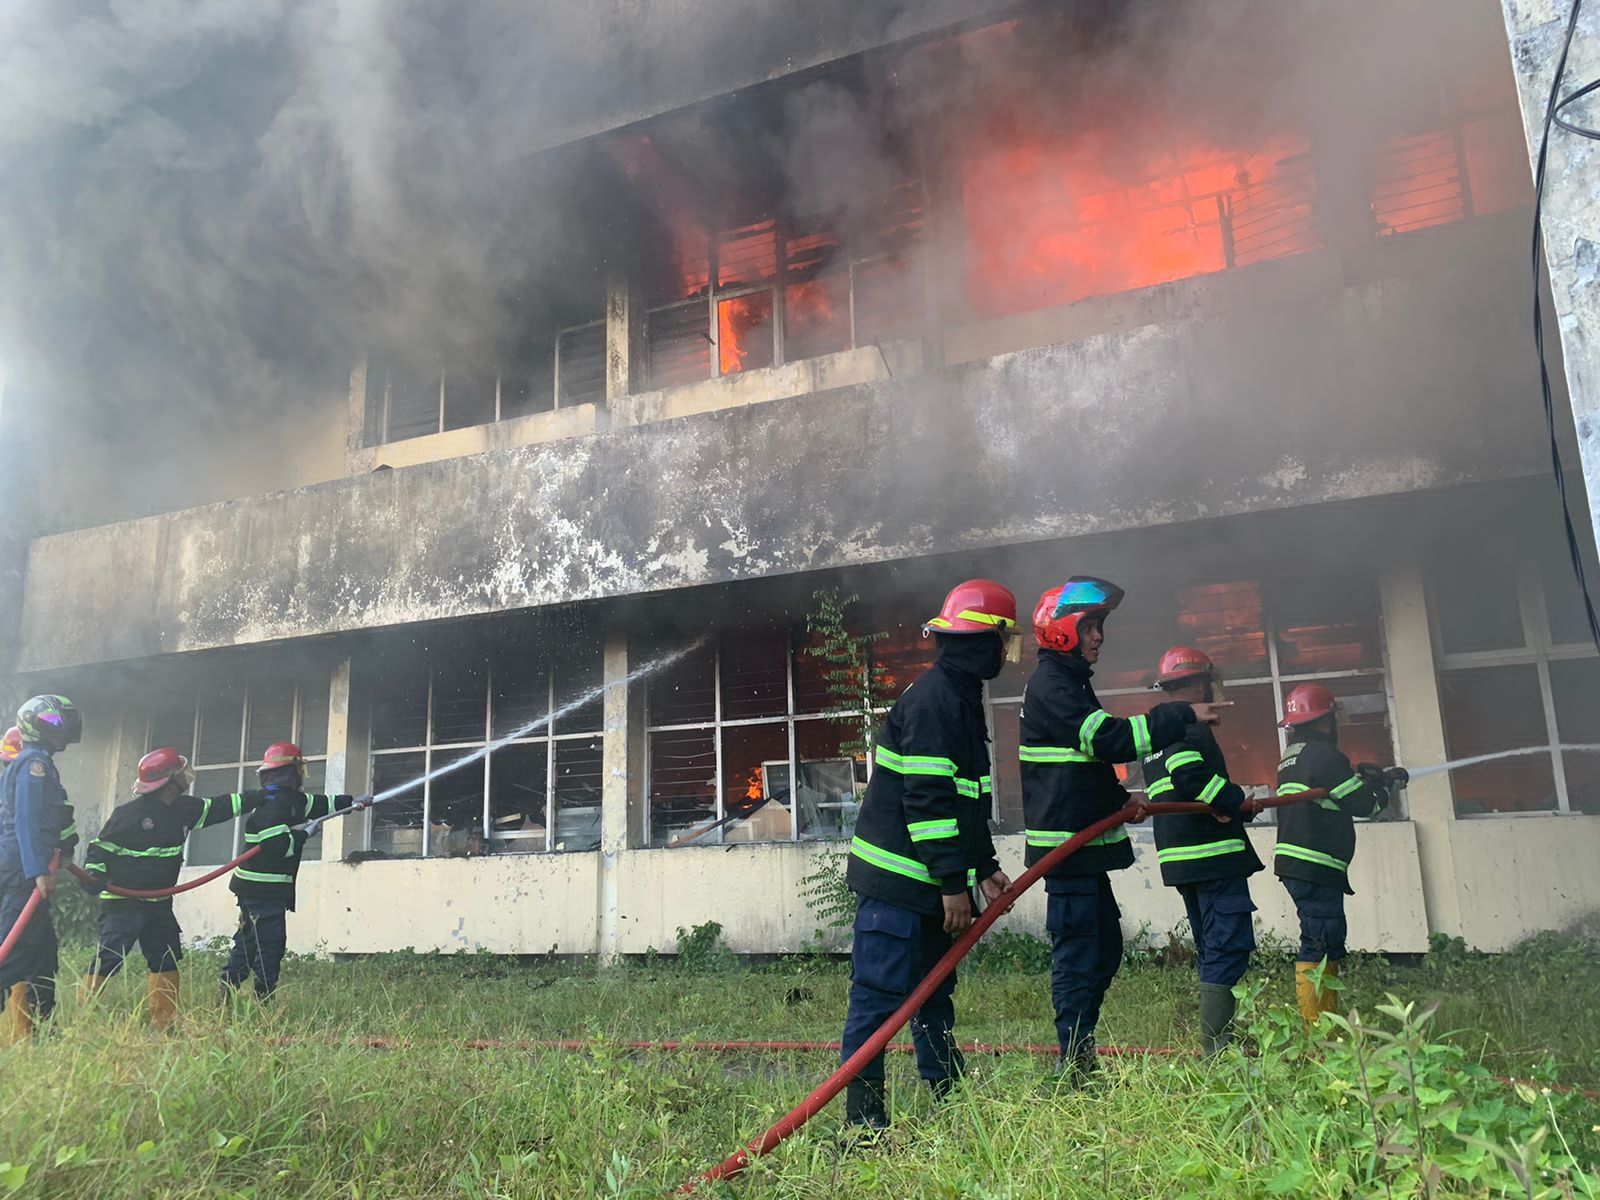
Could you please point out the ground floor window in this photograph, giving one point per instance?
(537, 790)
(225, 730)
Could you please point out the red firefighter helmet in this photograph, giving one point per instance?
(10, 744)
(1183, 662)
(976, 606)
(1307, 703)
(1061, 610)
(156, 768)
(280, 754)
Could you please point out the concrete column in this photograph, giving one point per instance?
(355, 423)
(1535, 30)
(625, 345)
(344, 834)
(614, 822)
(1419, 739)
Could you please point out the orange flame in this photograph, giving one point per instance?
(752, 786)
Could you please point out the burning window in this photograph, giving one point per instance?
(540, 711)
(223, 734)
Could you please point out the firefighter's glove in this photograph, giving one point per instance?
(1372, 773)
(1396, 777)
(363, 802)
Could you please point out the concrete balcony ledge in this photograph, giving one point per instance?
(552, 426)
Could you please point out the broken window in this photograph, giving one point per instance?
(225, 730)
(435, 716)
(1517, 672)
(748, 742)
(543, 373)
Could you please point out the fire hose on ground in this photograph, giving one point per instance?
(835, 1083)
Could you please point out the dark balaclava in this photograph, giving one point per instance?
(978, 654)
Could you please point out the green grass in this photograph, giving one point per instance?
(291, 1101)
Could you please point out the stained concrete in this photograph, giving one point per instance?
(1358, 386)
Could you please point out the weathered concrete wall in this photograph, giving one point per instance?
(1361, 387)
(531, 904)
(1571, 207)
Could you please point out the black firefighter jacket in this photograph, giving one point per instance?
(1197, 848)
(1317, 839)
(141, 844)
(1069, 744)
(269, 876)
(923, 830)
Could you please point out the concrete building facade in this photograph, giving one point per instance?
(1277, 383)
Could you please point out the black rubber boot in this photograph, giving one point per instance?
(1076, 1068)
(1216, 1017)
(942, 1088)
(863, 1104)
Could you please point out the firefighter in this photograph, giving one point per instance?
(1069, 744)
(10, 747)
(264, 887)
(141, 846)
(34, 820)
(1317, 839)
(1209, 859)
(922, 843)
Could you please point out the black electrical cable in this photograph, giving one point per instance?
(1552, 116)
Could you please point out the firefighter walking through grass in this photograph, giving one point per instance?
(1317, 840)
(265, 886)
(141, 847)
(35, 819)
(1069, 743)
(1208, 859)
(922, 843)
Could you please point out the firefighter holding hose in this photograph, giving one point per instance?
(922, 843)
(264, 887)
(1209, 859)
(10, 747)
(141, 846)
(34, 820)
(1317, 840)
(1069, 743)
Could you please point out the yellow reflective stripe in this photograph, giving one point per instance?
(1183, 758)
(146, 899)
(205, 811)
(928, 831)
(1056, 837)
(1204, 850)
(1292, 789)
(262, 876)
(153, 852)
(69, 831)
(1087, 730)
(914, 764)
(1209, 792)
(1159, 787)
(1354, 784)
(969, 787)
(1141, 735)
(266, 834)
(1053, 754)
(1000, 623)
(885, 860)
(1316, 857)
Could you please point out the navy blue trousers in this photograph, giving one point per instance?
(33, 959)
(149, 923)
(1224, 935)
(894, 950)
(258, 945)
(1085, 927)
(1322, 922)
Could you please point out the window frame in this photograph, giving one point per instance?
(547, 738)
(1538, 650)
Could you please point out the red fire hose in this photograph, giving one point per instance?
(835, 1083)
(158, 893)
(27, 912)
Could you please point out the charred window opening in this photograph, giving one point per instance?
(1517, 672)
(445, 704)
(559, 370)
(1266, 635)
(746, 742)
(223, 733)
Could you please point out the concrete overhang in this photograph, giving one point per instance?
(1345, 384)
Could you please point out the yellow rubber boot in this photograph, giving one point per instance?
(163, 999)
(19, 1011)
(1306, 993)
(89, 987)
